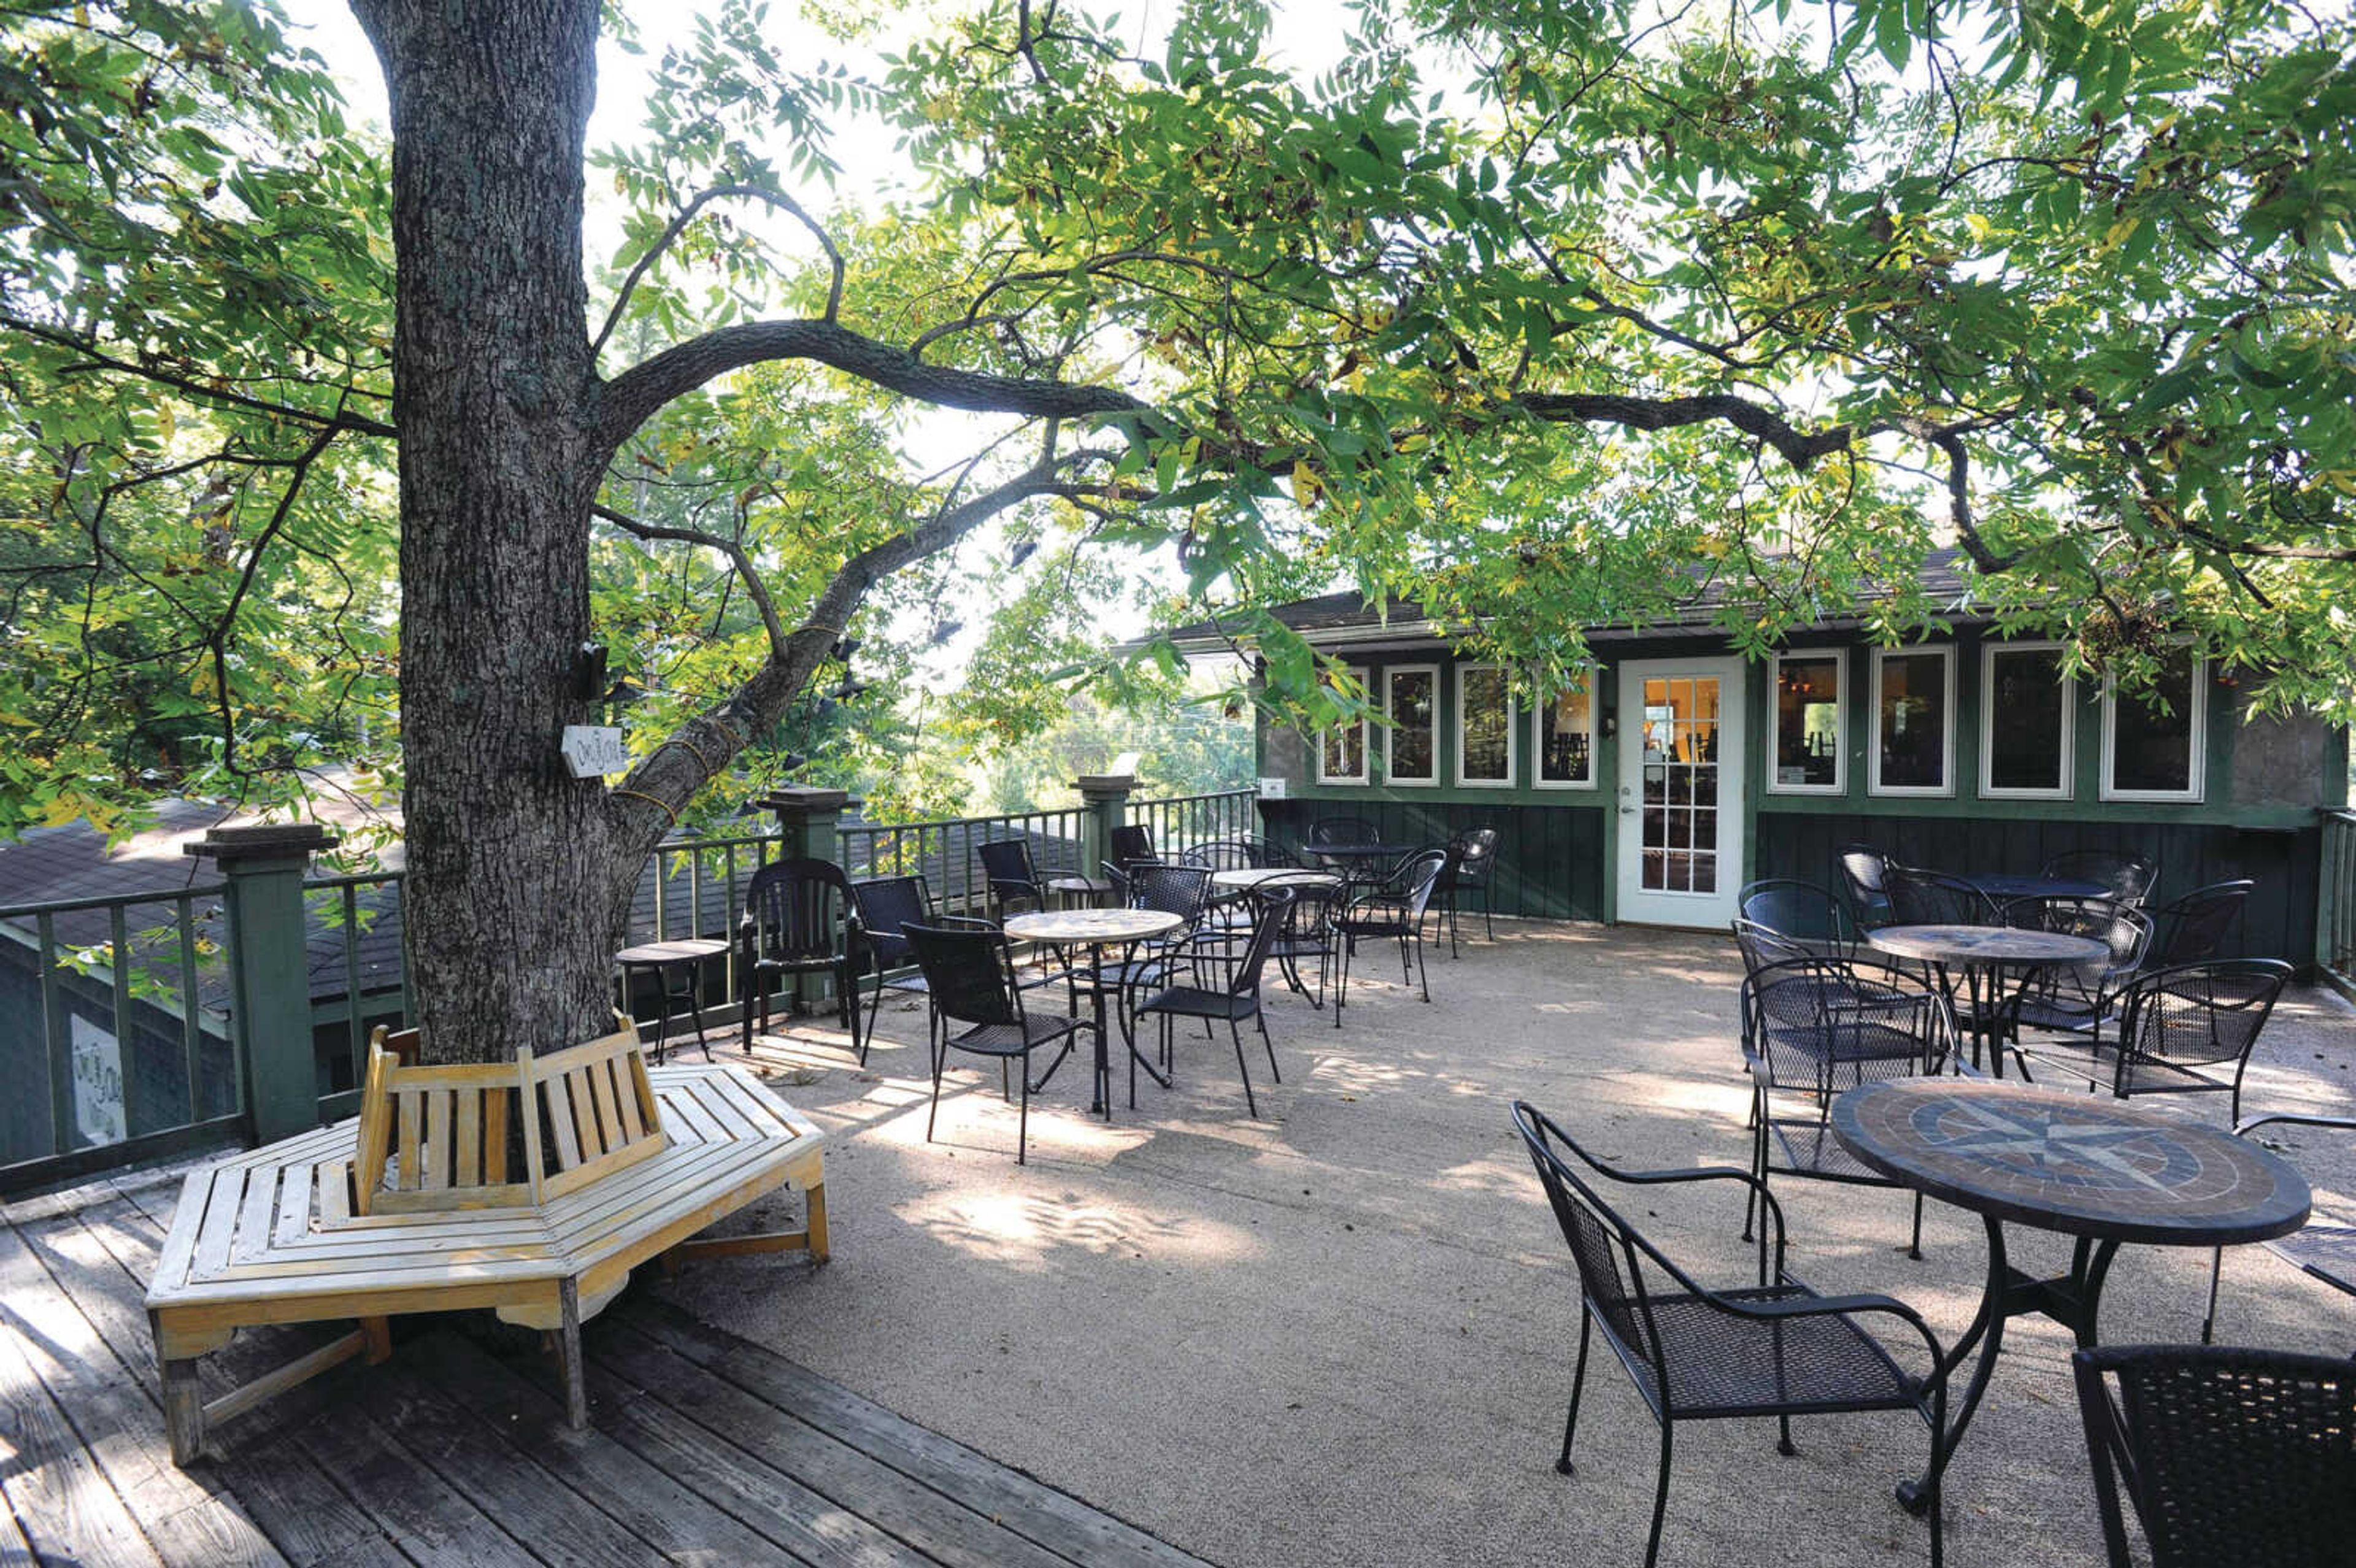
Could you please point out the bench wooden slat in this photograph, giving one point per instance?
(610, 1115)
(495, 1139)
(411, 1101)
(438, 1106)
(468, 1150)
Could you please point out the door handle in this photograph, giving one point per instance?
(1627, 811)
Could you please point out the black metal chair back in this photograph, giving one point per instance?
(1183, 890)
(1821, 1026)
(970, 973)
(1800, 912)
(1606, 1250)
(2176, 1022)
(1223, 855)
(1862, 872)
(1935, 897)
(2123, 929)
(1272, 912)
(1131, 842)
(1414, 877)
(2129, 878)
(1014, 883)
(2226, 1456)
(1342, 830)
(1471, 856)
(2192, 929)
(1762, 946)
(887, 906)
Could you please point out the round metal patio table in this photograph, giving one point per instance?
(1080, 889)
(1242, 879)
(1095, 930)
(2099, 1169)
(684, 956)
(1983, 953)
(2003, 886)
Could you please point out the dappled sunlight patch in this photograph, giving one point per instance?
(1030, 1230)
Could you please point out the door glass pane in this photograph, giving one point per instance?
(2151, 749)
(1680, 786)
(2024, 719)
(1566, 738)
(1486, 718)
(1808, 721)
(1914, 715)
(1412, 710)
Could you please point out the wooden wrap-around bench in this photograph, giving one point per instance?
(446, 1194)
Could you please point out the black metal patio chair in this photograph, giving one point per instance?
(1015, 886)
(1918, 896)
(798, 921)
(885, 907)
(2191, 929)
(2190, 1029)
(1801, 913)
(1393, 907)
(1182, 890)
(1472, 860)
(1341, 830)
(2323, 1248)
(1863, 869)
(970, 971)
(1776, 1348)
(2130, 878)
(2077, 999)
(1308, 934)
(1131, 842)
(2226, 1456)
(1813, 1028)
(1225, 986)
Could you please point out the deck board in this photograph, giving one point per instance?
(705, 1449)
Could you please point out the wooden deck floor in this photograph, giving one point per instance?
(706, 1449)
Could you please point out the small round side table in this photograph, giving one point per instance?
(682, 961)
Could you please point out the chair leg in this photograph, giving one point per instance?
(1660, 1498)
(1250, 1104)
(1407, 974)
(1578, 1384)
(1784, 1444)
(859, 1043)
(1454, 951)
(1023, 1120)
(1260, 1019)
(940, 1051)
(1488, 913)
(1422, 974)
(1341, 992)
(2209, 1319)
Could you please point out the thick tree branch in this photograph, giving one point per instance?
(1797, 447)
(633, 397)
(733, 549)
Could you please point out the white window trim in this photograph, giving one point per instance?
(1594, 752)
(2198, 773)
(1775, 728)
(1873, 785)
(1391, 729)
(1512, 731)
(1365, 743)
(1990, 789)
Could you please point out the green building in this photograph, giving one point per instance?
(1681, 771)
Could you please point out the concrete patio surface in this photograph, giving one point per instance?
(1343, 1334)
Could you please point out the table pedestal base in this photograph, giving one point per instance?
(2072, 1300)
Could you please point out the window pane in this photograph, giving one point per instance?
(1485, 718)
(2025, 698)
(1913, 721)
(2151, 749)
(1566, 738)
(1808, 721)
(1411, 710)
(1345, 751)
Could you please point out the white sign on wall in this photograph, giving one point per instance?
(1271, 789)
(97, 1083)
(593, 751)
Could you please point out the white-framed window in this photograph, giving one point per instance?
(1411, 743)
(1808, 727)
(1562, 731)
(1912, 748)
(1485, 748)
(1342, 750)
(2149, 754)
(2028, 722)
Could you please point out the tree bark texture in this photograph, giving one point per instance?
(517, 878)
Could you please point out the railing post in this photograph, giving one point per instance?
(270, 969)
(1104, 797)
(808, 820)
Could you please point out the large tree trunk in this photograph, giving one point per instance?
(518, 874)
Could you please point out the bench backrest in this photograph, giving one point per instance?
(499, 1135)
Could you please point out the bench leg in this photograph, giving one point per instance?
(568, 1355)
(817, 1246)
(184, 1411)
(377, 1331)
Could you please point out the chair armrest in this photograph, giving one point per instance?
(1838, 1305)
(2296, 1119)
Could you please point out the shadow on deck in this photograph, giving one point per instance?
(705, 1449)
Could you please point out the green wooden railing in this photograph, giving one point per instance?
(2335, 917)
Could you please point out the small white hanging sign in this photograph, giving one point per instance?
(593, 751)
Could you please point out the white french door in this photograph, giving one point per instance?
(1680, 731)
